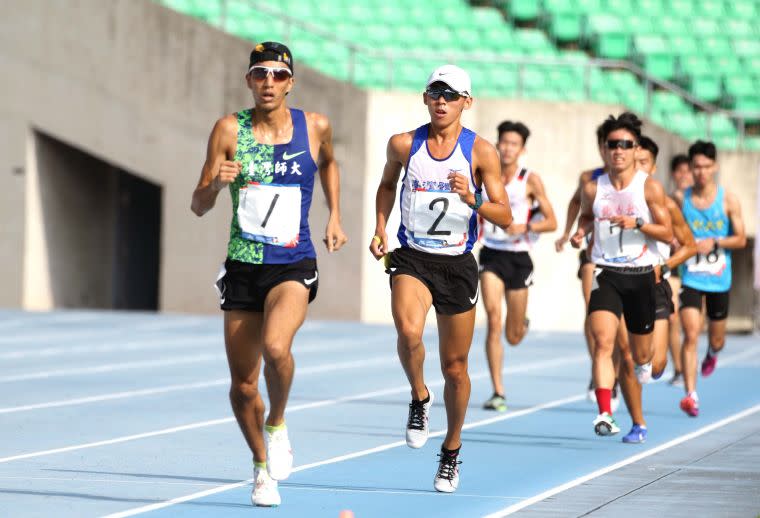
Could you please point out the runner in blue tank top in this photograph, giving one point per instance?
(715, 218)
(267, 156)
(441, 195)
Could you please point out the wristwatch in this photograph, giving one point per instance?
(639, 222)
(478, 201)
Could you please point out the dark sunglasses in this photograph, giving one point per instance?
(259, 73)
(620, 144)
(448, 95)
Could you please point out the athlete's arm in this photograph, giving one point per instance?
(487, 168)
(682, 233)
(218, 171)
(660, 228)
(586, 219)
(398, 148)
(549, 224)
(329, 176)
(573, 209)
(738, 238)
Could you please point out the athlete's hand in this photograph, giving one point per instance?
(559, 244)
(460, 185)
(623, 221)
(657, 274)
(228, 171)
(517, 228)
(379, 245)
(705, 246)
(334, 235)
(577, 240)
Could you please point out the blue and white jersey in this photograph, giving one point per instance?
(711, 272)
(434, 219)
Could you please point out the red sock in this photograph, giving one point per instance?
(603, 397)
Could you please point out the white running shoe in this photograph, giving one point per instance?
(643, 373)
(417, 430)
(447, 477)
(279, 454)
(605, 424)
(265, 493)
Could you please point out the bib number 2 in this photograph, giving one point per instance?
(270, 213)
(440, 216)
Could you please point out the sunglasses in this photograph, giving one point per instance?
(260, 73)
(620, 144)
(448, 95)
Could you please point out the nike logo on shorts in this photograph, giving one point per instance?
(311, 281)
(474, 299)
(286, 156)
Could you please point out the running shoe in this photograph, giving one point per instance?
(447, 477)
(417, 430)
(690, 406)
(605, 424)
(614, 400)
(676, 380)
(637, 435)
(643, 373)
(591, 394)
(265, 493)
(708, 365)
(496, 402)
(279, 454)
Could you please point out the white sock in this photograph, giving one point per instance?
(693, 395)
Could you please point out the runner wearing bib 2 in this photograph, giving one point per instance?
(714, 215)
(626, 209)
(506, 269)
(447, 169)
(268, 157)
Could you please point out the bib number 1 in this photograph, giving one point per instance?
(270, 213)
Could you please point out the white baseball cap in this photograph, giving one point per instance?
(457, 79)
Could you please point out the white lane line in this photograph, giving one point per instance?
(625, 462)
(176, 360)
(294, 408)
(341, 458)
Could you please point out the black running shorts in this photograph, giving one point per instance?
(246, 286)
(515, 269)
(451, 279)
(716, 302)
(663, 300)
(626, 291)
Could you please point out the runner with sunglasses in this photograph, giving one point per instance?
(681, 176)
(446, 168)
(646, 156)
(268, 156)
(626, 209)
(506, 269)
(714, 216)
(586, 267)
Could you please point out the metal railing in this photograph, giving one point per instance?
(649, 82)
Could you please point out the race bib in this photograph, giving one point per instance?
(270, 213)
(439, 216)
(618, 244)
(496, 234)
(711, 264)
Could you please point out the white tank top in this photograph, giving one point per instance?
(434, 219)
(494, 236)
(614, 246)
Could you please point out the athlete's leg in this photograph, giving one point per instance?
(492, 289)
(455, 332)
(629, 384)
(410, 303)
(517, 305)
(284, 312)
(675, 327)
(660, 338)
(587, 279)
(604, 327)
(242, 337)
(717, 334)
(691, 321)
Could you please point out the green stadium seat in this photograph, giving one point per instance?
(747, 47)
(521, 10)
(706, 27)
(589, 6)
(726, 142)
(706, 88)
(564, 26)
(371, 72)
(739, 28)
(717, 46)
(745, 9)
(654, 56)
(720, 125)
(684, 45)
(709, 8)
(534, 42)
(667, 25)
(621, 7)
(607, 36)
(749, 104)
(751, 143)
(695, 66)
(488, 18)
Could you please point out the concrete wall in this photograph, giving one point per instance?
(140, 87)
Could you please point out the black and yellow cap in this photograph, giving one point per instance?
(271, 51)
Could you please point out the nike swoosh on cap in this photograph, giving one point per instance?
(286, 156)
